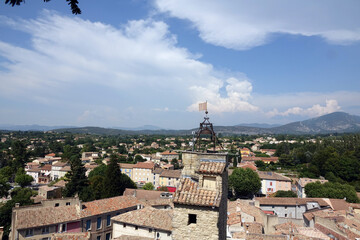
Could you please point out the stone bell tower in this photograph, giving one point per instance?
(200, 202)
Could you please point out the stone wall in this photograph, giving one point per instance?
(206, 226)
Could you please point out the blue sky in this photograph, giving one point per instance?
(133, 63)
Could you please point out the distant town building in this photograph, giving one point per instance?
(272, 182)
(302, 182)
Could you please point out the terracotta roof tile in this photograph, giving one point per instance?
(211, 167)
(171, 173)
(148, 217)
(188, 193)
(108, 205)
(71, 236)
(43, 216)
(273, 176)
(146, 165)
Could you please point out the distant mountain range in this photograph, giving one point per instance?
(337, 122)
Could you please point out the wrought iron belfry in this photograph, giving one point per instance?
(206, 128)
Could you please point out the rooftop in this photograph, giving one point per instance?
(273, 176)
(188, 193)
(71, 236)
(143, 194)
(43, 216)
(303, 181)
(146, 165)
(108, 205)
(171, 173)
(126, 165)
(148, 217)
(211, 167)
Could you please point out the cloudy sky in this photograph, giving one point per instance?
(137, 62)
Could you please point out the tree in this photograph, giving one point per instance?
(245, 182)
(4, 187)
(148, 186)
(331, 190)
(98, 171)
(18, 195)
(78, 182)
(260, 164)
(235, 162)
(114, 181)
(282, 193)
(139, 158)
(18, 150)
(23, 179)
(73, 4)
(163, 188)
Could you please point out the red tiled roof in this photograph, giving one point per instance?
(273, 176)
(211, 167)
(148, 217)
(71, 236)
(50, 155)
(146, 165)
(108, 205)
(189, 194)
(171, 173)
(43, 216)
(46, 167)
(248, 165)
(169, 153)
(60, 164)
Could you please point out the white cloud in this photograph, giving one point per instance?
(241, 24)
(79, 64)
(237, 100)
(314, 111)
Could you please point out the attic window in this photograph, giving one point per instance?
(192, 219)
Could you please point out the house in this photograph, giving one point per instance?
(142, 172)
(145, 223)
(156, 176)
(291, 208)
(302, 182)
(272, 182)
(245, 152)
(127, 169)
(96, 215)
(69, 215)
(169, 178)
(89, 167)
(47, 192)
(169, 155)
(34, 172)
(200, 201)
(55, 169)
(40, 222)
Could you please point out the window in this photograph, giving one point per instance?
(98, 238)
(88, 225)
(68, 203)
(285, 207)
(124, 225)
(285, 215)
(45, 230)
(57, 204)
(29, 232)
(63, 227)
(107, 236)
(108, 220)
(158, 235)
(150, 230)
(270, 183)
(192, 219)
(136, 227)
(98, 223)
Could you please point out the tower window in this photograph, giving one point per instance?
(192, 219)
